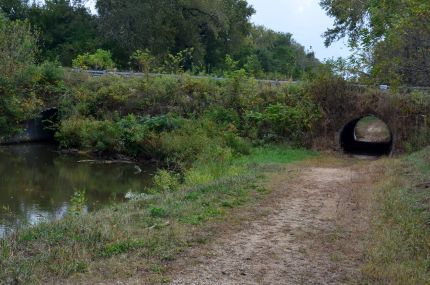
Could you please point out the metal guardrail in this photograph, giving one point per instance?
(128, 74)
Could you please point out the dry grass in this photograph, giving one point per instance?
(399, 243)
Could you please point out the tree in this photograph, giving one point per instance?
(279, 53)
(396, 34)
(212, 28)
(17, 52)
(66, 29)
(14, 9)
(17, 46)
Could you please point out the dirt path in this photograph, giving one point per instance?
(309, 232)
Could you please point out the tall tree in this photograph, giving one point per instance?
(17, 46)
(66, 29)
(212, 28)
(396, 33)
(280, 53)
(14, 9)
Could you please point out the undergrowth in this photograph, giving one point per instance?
(399, 244)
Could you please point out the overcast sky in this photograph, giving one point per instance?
(303, 18)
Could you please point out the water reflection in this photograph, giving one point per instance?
(37, 183)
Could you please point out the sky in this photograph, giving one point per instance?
(305, 19)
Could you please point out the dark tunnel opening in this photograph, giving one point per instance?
(367, 135)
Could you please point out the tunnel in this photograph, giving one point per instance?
(42, 128)
(39, 129)
(367, 135)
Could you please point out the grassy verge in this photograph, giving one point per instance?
(399, 246)
(139, 237)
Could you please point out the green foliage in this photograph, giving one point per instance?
(24, 87)
(144, 60)
(224, 117)
(174, 121)
(165, 181)
(277, 55)
(130, 135)
(196, 36)
(77, 203)
(18, 46)
(212, 28)
(90, 134)
(393, 34)
(120, 247)
(158, 212)
(181, 147)
(293, 122)
(100, 60)
(66, 28)
(176, 63)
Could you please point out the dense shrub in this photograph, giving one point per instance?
(223, 111)
(174, 141)
(90, 134)
(99, 60)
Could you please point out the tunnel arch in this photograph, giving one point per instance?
(351, 145)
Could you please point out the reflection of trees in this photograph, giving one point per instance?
(34, 178)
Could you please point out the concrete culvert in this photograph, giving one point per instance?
(367, 135)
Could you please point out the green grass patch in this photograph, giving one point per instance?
(276, 154)
(121, 247)
(421, 161)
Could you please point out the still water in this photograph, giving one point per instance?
(37, 184)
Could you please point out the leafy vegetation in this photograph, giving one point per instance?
(392, 38)
(100, 60)
(24, 86)
(196, 36)
(175, 120)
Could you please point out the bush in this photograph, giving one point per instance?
(177, 119)
(144, 60)
(181, 147)
(285, 122)
(224, 117)
(165, 181)
(100, 60)
(91, 134)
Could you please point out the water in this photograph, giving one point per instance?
(37, 184)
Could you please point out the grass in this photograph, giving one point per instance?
(123, 240)
(399, 244)
(273, 155)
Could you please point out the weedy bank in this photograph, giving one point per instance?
(399, 243)
(146, 233)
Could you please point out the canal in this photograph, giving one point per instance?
(37, 184)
